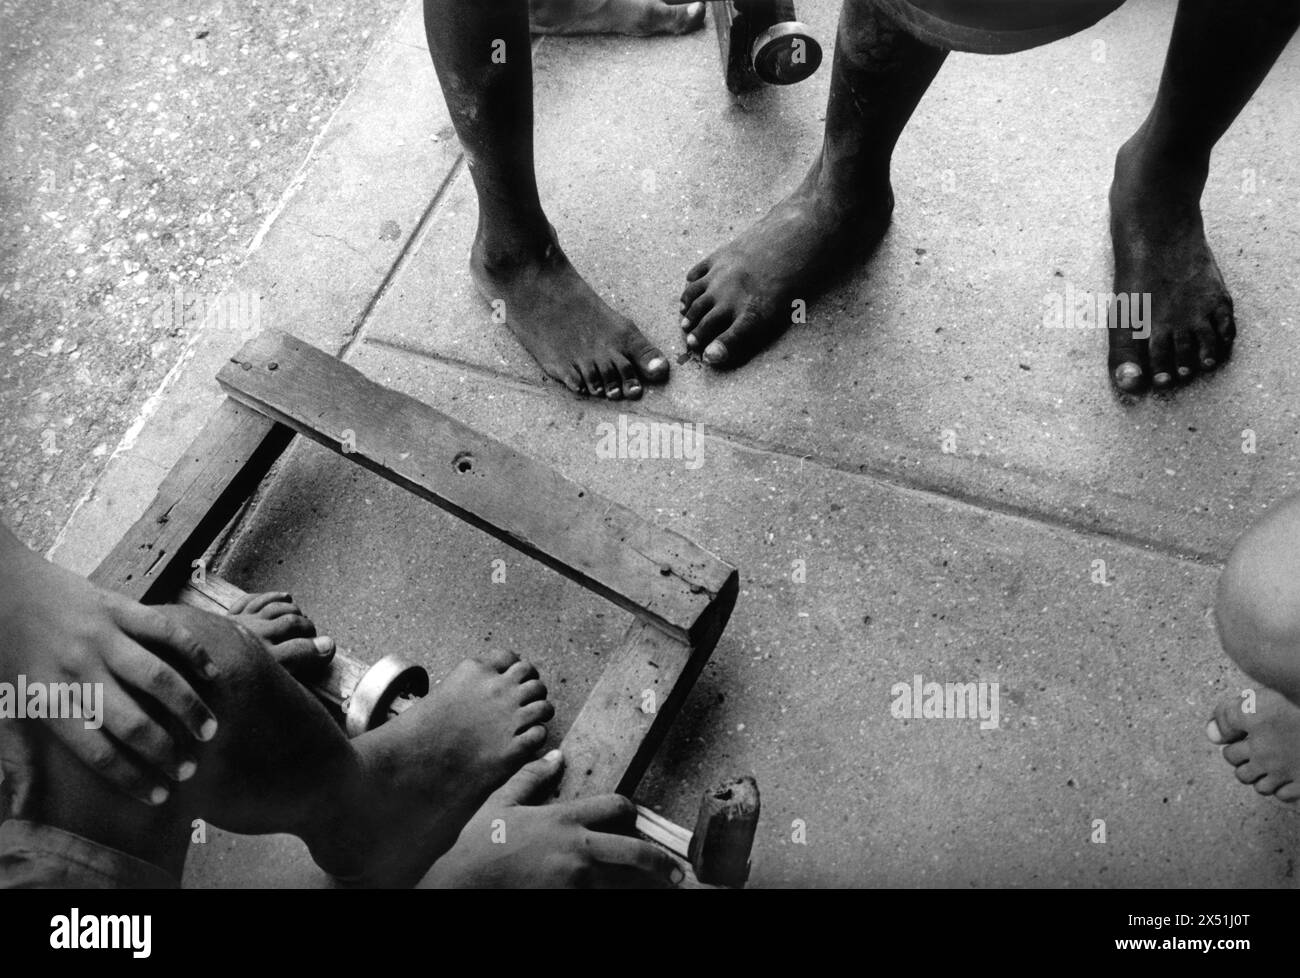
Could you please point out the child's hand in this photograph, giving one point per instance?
(511, 842)
(59, 628)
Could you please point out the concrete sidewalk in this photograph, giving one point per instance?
(825, 453)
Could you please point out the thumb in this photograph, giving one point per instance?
(530, 782)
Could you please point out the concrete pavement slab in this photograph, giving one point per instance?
(1103, 690)
(646, 164)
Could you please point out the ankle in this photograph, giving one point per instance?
(503, 254)
(1152, 156)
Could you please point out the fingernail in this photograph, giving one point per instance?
(186, 771)
(677, 875)
(208, 730)
(552, 755)
(323, 644)
(656, 365)
(158, 796)
(210, 670)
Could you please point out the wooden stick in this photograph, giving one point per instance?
(724, 833)
(199, 496)
(653, 572)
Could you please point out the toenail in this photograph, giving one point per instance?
(1184, 371)
(685, 323)
(716, 352)
(208, 730)
(612, 392)
(1161, 379)
(1127, 373)
(598, 390)
(634, 388)
(1209, 363)
(1213, 732)
(324, 644)
(656, 365)
(158, 796)
(691, 341)
(186, 771)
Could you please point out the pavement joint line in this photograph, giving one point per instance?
(409, 248)
(877, 474)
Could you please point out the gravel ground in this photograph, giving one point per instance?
(142, 145)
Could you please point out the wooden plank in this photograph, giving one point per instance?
(203, 491)
(614, 737)
(653, 572)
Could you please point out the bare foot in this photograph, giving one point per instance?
(640, 18)
(1263, 746)
(288, 634)
(516, 840)
(740, 298)
(432, 767)
(566, 327)
(1161, 251)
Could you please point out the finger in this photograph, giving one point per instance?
(650, 862)
(601, 811)
(499, 659)
(530, 784)
(152, 627)
(142, 670)
(99, 753)
(132, 727)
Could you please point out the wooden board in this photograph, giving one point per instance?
(203, 491)
(655, 573)
(614, 737)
